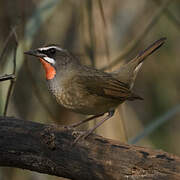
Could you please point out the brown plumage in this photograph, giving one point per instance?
(85, 89)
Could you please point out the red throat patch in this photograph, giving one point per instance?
(49, 69)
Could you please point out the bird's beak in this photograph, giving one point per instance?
(34, 53)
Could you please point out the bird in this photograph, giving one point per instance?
(85, 89)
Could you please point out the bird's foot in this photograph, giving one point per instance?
(82, 136)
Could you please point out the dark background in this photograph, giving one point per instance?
(98, 32)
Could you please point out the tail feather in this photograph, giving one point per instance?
(149, 50)
(127, 73)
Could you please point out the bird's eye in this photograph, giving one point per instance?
(52, 51)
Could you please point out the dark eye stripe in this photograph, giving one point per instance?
(49, 52)
(44, 52)
(52, 51)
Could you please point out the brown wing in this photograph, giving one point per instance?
(103, 84)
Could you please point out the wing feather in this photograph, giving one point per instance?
(106, 86)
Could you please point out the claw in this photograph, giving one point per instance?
(82, 136)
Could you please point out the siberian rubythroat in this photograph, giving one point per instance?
(88, 90)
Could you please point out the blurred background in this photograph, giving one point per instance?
(103, 34)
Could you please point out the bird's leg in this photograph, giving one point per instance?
(87, 133)
(83, 121)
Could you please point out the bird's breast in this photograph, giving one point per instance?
(76, 98)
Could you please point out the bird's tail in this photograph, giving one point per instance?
(148, 51)
(127, 73)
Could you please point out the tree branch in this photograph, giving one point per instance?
(48, 149)
(7, 77)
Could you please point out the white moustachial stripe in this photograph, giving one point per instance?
(48, 59)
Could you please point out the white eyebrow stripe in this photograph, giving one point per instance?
(50, 47)
(48, 59)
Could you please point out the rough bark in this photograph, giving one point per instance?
(48, 149)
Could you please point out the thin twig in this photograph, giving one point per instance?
(92, 47)
(140, 37)
(156, 124)
(15, 51)
(7, 77)
(169, 15)
(12, 83)
(6, 43)
(8, 97)
(104, 30)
